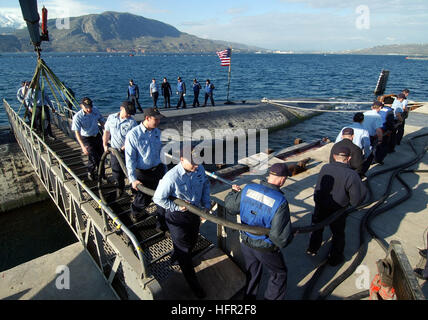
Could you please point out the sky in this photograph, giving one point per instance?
(286, 25)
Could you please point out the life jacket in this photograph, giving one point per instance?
(132, 90)
(258, 207)
(209, 88)
(180, 86)
(196, 87)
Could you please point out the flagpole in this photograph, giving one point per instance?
(228, 83)
(229, 78)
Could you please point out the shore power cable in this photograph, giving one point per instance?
(365, 226)
(210, 217)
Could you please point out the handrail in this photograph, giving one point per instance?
(105, 208)
(281, 104)
(318, 102)
(195, 210)
(233, 225)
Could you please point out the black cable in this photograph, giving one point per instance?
(193, 209)
(359, 295)
(309, 286)
(101, 169)
(217, 220)
(365, 223)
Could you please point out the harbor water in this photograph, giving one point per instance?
(104, 77)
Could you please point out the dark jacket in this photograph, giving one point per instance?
(338, 186)
(166, 89)
(357, 160)
(280, 232)
(196, 87)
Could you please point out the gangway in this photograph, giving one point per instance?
(134, 258)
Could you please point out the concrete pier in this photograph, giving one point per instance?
(39, 278)
(19, 184)
(405, 222)
(67, 274)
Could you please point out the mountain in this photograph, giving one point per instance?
(121, 32)
(404, 49)
(11, 21)
(7, 30)
(9, 43)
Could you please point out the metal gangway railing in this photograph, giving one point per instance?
(97, 227)
(135, 261)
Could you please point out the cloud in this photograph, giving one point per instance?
(68, 8)
(144, 8)
(12, 17)
(192, 23)
(308, 31)
(56, 9)
(236, 11)
(386, 6)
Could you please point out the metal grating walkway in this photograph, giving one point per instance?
(105, 230)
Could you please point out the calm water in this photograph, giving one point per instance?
(104, 77)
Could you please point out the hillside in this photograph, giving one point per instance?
(9, 43)
(407, 49)
(117, 32)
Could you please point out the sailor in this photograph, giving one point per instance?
(361, 135)
(405, 114)
(373, 124)
(181, 91)
(186, 181)
(356, 162)
(134, 94)
(264, 205)
(166, 92)
(43, 104)
(143, 163)
(209, 92)
(154, 92)
(196, 88)
(400, 113)
(406, 93)
(337, 187)
(85, 125)
(388, 127)
(22, 93)
(115, 130)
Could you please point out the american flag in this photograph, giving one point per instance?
(225, 57)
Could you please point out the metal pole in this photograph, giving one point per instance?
(228, 84)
